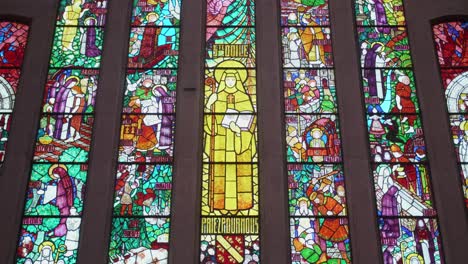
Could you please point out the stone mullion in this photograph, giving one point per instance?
(98, 205)
(358, 174)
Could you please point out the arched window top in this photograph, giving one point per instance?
(13, 40)
(451, 43)
(451, 39)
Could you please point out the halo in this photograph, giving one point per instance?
(52, 168)
(73, 77)
(414, 256)
(303, 199)
(89, 19)
(47, 243)
(152, 14)
(226, 65)
(375, 43)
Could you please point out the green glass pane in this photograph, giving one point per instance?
(316, 190)
(82, 12)
(143, 190)
(139, 240)
(384, 47)
(48, 240)
(79, 47)
(56, 190)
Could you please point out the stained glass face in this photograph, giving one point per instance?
(307, 47)
(396, 138)
(150, 92)
(316, 190)
(309, 91)
(380, 13)
(390, 91)
(5, 120)
(410, 240)
(230, 249)
(230, 13)
(63, 138)
(139, 240)
(452, 43)
(312, 138)
(304, 13)
(456, 89)
(70, 91)
(13, 38)
(77, 46)
(387, 47)
(237, 86)
(403, 190)
(155, 13)
(146, 138)
(320, 240)
(79, 12)
(56, 190)
(143, 190)
(230, 44)
(153, 47)
(52, 240)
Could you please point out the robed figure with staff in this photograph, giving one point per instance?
(229, 140)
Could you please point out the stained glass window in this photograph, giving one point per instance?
(13, 40)
(230, 199)
(451, 40)
(143, 180)
(319, 230)
(56, 190)
(406, 215)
